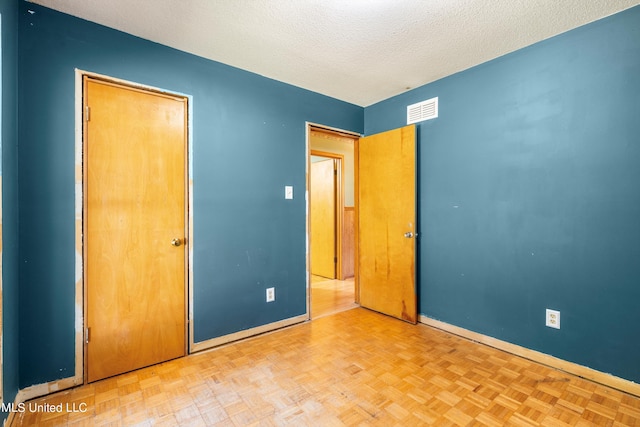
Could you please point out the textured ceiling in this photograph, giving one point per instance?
(360, 51)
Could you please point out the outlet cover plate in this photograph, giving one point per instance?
(553, 318)
(271, 294)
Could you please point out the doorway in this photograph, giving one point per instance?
(384, 227)
(331, 220)
(135, 227)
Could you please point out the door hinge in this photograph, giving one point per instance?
(86, 336)
(335, 259)
(86, 113)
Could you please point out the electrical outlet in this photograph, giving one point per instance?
(553, 319)
(271, 294)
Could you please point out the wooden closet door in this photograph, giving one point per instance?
(135, 195)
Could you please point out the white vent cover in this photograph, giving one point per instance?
(424, 110)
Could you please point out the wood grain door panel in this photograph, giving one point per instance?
(135, 149)
(323, 218)
(386, 211)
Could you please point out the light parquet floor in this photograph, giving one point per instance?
(352, 368)
(330, 296)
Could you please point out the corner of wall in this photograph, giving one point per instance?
(9, 193)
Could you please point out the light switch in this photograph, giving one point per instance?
(288, 191)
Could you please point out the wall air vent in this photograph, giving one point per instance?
(424, 110)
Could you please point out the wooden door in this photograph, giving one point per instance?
(323, 218)
(386, 191)
(134, 161)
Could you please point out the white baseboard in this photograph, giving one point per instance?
(544, 359)
(225, 339)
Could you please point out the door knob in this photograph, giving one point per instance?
(408, 234)
(176, 242)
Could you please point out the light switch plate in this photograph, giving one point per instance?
(288, 191)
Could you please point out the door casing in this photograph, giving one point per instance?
(340, 205)
(80, 303)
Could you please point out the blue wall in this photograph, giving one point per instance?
(529, 195)
(9, 173)
(248, 143)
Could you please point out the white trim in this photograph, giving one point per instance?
(247, 333)
(79, 288)
(190, 205)
(79, 303)
(544, 359)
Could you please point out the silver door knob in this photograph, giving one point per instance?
(408, 234)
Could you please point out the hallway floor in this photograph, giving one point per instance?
(352, 368)
(330, 296)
